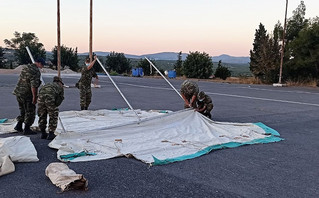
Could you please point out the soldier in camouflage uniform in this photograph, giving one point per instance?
(84, 84)
(51, 96)
(26, 92)
(204, 104)
(189, 91)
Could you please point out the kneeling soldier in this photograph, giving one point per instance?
(51, 96)
(204, 104)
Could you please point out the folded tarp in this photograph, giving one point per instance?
(6, 165)
(19, 148)
(155, 140)
(7, 126)
(65, 178)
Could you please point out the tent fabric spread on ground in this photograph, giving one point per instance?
(157, 139)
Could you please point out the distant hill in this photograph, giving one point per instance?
(173, 56)
(231, 59)
(169, 56)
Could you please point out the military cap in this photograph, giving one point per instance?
(40, 60)
(201, 95)
(57, 79)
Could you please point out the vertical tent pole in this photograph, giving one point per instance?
(164, 78)
(31, 57)
(107, 73)
(91, 20)
(59, 39)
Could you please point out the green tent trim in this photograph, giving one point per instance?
(274, 137)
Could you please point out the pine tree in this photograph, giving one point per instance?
(264, 58)
(222, 72)
(179, 65)
(1, 58)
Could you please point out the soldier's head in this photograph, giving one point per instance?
(201, 96)
(87, 62)
(58, 80)
(40, 62)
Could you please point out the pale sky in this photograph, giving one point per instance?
(148, 26)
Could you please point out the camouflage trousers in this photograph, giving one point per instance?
(27, 110)
(85, 96)
(208, 109)
(46, 105)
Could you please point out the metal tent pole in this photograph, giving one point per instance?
(164, 78)
(117, 88)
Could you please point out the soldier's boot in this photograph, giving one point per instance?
(28, 131)
(85, 108)
(18, 127)
(44, 134)
(51, 135)
(82, 108)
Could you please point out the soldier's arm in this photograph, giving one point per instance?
(92, 63)
(192, 100)
(202, 109)
(186, 101)
(34, 95)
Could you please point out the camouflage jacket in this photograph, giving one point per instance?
(206, 101)
(52, 90)
(29, 78)
(86, 77)
(189, 88)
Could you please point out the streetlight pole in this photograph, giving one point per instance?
(283, 45)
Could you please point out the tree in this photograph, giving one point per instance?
(19, 42)
(297, 22)
(69, 57)
(198, 65)
(222, 72)
(265, 55)
(295, 68)
(304, 61)
(178, 66)
(2, 63)
(147, 68)
(118, 62)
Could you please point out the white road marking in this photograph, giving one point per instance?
(283, 91)
(228, 95)
(266, 99)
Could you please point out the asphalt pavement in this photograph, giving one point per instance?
(284, 169)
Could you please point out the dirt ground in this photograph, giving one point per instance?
(18, 69)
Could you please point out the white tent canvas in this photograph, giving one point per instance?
(156, 139)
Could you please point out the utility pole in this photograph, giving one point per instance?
(59, 40)
(90, 43)
(283, 45)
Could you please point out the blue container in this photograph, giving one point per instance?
(140, 71)
(172, 74)
(134, 72)
(137, 72)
